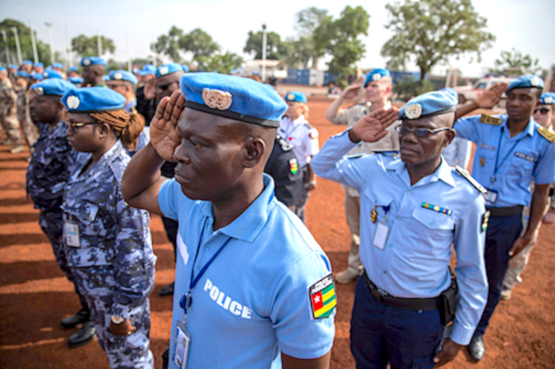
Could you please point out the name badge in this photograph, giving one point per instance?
(380, 237)
(182, 346)
(490, 196)
(525, 157)
(72, 234)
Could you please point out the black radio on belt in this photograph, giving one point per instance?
(447, 301)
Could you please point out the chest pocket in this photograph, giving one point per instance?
(486, 152)
(86, 215)
(434, 225)
(380, 202)
(524, 161)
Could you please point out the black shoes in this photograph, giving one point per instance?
(83, 335)
(477, 348)
(167, 291)
(73, 321)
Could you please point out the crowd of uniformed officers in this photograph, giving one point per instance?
(229, 164)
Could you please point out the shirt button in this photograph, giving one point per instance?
(385, 272)
(390, 245)
(398, 218)
(431, 223)
(408, 191)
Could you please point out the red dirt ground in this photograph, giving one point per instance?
(34, 294)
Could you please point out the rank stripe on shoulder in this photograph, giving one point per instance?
(547, 134)
(488, 119)
(472, 181)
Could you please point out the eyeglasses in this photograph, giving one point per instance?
(73, 126)
(113, 86)
(419, 132)
(166, 86)
(543, 111)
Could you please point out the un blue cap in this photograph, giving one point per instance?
(39, 64)
(27, 62)
(450, 91)
(428, 105)
(72, 69)
(548, 98)
(36, 76)
(376, 75)
(51, 73)
(255, 73)
(168, 69)
(92, 60)
(106, 77)
(233, 97)
(22, 74)
(123, 75)
(56, 87)
(2, 69)
(147, 69)
(92, 100)
(185, 68)
(58, 65)
(529, 80)
(13, 66)
(76, 80)
(295, 96)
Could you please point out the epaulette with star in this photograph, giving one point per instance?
(472, 181)
(488, 119)
(285, 146)
(547, 134)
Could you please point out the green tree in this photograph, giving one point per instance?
(432, 31)
(516, 64)
(169, 44)
(307, 20)
(199, 43)
(88, 46)
(409, 87)
(43, 50)
(340, 39)
(274, 48)
(297, 53)
(221, 63)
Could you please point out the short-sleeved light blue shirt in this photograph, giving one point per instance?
(528, 155)
(252, 302)
(414, 260)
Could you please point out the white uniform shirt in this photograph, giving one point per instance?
(302, 136)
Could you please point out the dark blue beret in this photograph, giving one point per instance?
(526, 81)
(57, 87)
(93, 99)
(428, 105)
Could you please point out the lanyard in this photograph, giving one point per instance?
(506, 156)
(187, 299)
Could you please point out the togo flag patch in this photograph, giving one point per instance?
(485, 221)
(293, 165)
(322, 297)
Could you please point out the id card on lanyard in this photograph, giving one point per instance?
(382, 231)
(182, 345)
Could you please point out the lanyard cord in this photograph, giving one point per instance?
(506, 156)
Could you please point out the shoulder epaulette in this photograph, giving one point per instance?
(390, 153)
(488, 119)
(285, 146)
(118, 167)
(472, 181)
(547, 134)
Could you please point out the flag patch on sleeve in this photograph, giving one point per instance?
(322, 297)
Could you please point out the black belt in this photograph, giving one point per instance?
(400, 302)
(505, 212)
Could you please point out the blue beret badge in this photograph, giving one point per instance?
(216, 99)
(412, 111)
(73, 102)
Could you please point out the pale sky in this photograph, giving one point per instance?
(527, 26)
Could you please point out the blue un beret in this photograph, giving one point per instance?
(548, 98)
(2, 69)
(376, 75)
(56, 87)
(428, 105)
(185, 68)
(168, 69)
(123, 75)
(450, 91)
(147, 69)
(27, 62)
(233, 97)
(92, 100)
(36, 76)
(92, 60)
(76, 80)
(39, 64)
(72, 69)
(526, 81)
(22, 73)
(296, 96)
(58, 65)
(13, 66)
(51, 73)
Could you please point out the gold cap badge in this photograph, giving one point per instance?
(216, 99)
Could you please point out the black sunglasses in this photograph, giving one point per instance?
(166, 86)
(419, 132)
(73, 126)
(542, 111)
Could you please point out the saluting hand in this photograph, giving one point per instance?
(490, 97)
(372, 127)
(351, 92)
(163, 135)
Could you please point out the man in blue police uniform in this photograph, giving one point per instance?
(511, 150)
(412, 210)
(93, 71)
(255, 288)
(283, 167)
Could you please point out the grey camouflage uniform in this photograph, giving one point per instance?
(51, 164)
(114, 262)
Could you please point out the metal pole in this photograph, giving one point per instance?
(128, 53)
(34, 44)
(6, 46)
(17, 45)
(264, 53)
(99, 43)
(49, 26)
(68, 48)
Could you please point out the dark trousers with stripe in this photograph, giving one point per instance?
(501, 234)
(381, 334)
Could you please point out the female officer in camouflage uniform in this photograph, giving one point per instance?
(108, 242)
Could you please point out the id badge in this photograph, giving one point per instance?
(490, 196)
(380, 237)
(182, 346)
(72, 234)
